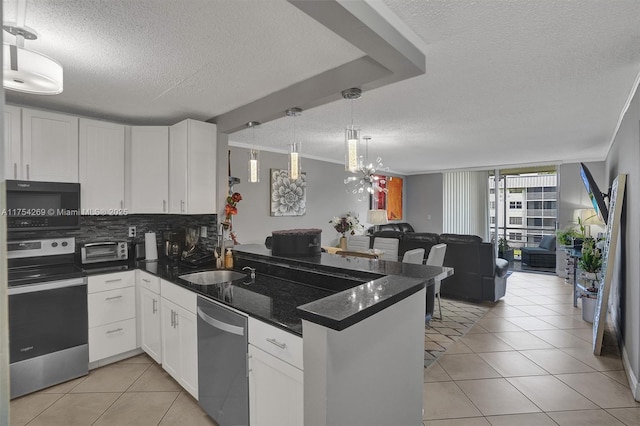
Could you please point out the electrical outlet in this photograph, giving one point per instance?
(132, 231)
(203, 231)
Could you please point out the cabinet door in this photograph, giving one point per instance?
(275, 391)
(170, 339)
(188, 331)
(12, 143)
(150, 335)
(192, 171)
(149, 169)
(49, 146)
(101, 167)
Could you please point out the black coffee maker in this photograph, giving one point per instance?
(173, 245)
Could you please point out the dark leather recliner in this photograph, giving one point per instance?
(478, 275)
(395, 226)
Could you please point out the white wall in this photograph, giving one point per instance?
(424, 202)
(624, 301)
(326, 197)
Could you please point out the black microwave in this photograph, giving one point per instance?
(40, 206)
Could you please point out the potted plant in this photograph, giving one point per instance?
(504, 250)
(567, 237)
(590, 263)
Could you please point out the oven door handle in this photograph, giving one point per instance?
(52, 285)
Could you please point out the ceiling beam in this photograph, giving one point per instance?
(390, 57)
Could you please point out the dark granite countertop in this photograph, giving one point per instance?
(384, 283)
(330, 290)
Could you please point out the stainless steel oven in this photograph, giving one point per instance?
(48, 323)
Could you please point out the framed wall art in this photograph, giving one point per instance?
(389, 198)
(288, 197)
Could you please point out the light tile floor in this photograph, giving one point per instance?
(526, 361)
(529, 361)
(132, 392)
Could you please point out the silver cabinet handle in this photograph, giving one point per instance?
(181, 206)
(146, 280)
(155, 306)
(27, 172)
(114, 331)
(176, 320)
(113, 281)
(172, 318)
(278, 344)
(113, 298)
(164, 206)
(15, 170)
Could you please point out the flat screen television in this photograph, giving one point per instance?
(597, 197)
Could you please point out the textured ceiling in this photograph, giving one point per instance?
(159, 61)
(506, 83)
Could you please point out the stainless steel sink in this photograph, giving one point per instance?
(212, 277)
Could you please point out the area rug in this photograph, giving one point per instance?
(457, 318)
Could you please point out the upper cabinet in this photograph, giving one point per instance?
(49, 147)
(12, 143)
(149, 189)
(192, 168)
(39, 145)
(102, 167)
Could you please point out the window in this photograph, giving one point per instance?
(515, 236)
(515, 190)
(492, 205)
(549, 222)
(549, 189)
(515, 204)
(492, 191)
(534, 205)
(515, 221)
(534, 189)
(534, 221)
(549, 205)
(492, 220)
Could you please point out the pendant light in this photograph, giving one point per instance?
(352, 135)
(25, 70)
(295, 165)
(254, 164)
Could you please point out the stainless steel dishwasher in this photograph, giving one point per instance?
(223, 383)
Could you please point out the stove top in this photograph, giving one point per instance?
(37, 261)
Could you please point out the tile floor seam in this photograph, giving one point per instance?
(45, 409)
(107, 408)
(169, 408)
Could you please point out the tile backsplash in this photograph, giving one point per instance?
(116, 228)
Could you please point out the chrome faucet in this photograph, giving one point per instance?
(253, 272)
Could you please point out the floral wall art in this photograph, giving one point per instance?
(288, 197)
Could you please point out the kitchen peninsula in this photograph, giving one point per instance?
(360, 358)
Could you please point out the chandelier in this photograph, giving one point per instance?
(365, 182)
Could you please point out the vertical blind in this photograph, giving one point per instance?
(465, 203)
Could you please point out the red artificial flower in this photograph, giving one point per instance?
(229, 210)
(236, 197)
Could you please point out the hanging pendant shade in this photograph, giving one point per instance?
(254, 154)
(352, 136)
(295, 165)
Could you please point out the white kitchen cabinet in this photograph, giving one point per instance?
(49, 147)
(149, 175)
(12, 142)
(275, 376)
(179, 335)
(192, 168)
(149, 315)
(112, 314)
(102, 167)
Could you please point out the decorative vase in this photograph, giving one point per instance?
(343, 242)
(588, 308)
(591, 275)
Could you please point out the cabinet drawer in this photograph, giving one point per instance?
(112, 339)
(111, 306)
(110, 281)
(178, 295)
(150, 282)
(277, 342)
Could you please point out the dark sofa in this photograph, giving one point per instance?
(543, 256)
(478, 274)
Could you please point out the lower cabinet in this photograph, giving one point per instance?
(179, 335)
(112, 314)
(149, 315)
(275, 376)
(275, 391)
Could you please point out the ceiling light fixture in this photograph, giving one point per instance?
(352, 135)
(295, 165)
(366, 182)
(25, 70)
(254, 164)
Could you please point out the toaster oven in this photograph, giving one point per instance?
(107, 251)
